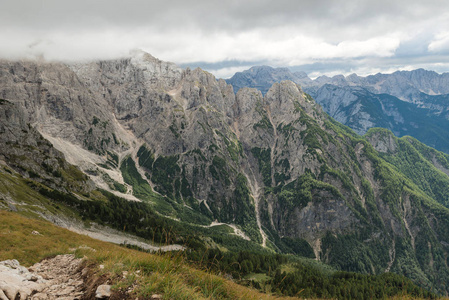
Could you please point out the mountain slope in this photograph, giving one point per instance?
(405, 85)
(274, 168)
(407, 102)
(360, 109)
(427, 167)
(29, 153)
(134, 274)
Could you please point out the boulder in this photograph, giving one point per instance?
(103, 291)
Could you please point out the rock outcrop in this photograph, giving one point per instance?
(17, 281)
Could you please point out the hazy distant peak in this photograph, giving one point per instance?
(263, 77)
(301, 74)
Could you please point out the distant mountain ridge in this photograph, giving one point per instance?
(412, 103)
(263, 77)
(404, 85)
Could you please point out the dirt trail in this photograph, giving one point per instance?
(64, 279)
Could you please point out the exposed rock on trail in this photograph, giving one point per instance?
(63, 277)
(54, 278)
(16, 280)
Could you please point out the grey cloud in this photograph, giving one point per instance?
(235, 15)
(109, 28)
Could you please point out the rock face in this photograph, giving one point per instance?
(58, 104)
(26, 150)
(273, 165)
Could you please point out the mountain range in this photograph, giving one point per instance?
(406, 102)
(141, 144)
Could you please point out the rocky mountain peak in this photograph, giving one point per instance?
(155, 69)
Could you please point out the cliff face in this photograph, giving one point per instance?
(276, 166)
(28, 152)
(57, 103)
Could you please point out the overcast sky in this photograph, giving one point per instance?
(223, 37)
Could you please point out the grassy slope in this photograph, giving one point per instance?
(26, 199)
(169, 276)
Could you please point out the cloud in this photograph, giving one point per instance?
(440, 44)
(187, 46)
(278, 33)
(228, 72)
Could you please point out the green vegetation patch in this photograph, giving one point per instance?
(415, 160)
(299, 246)
(263, 157)
(142, 189)
(298, 193)
(218, 170)
(310, 283)
(265, 122)
(162, 171)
